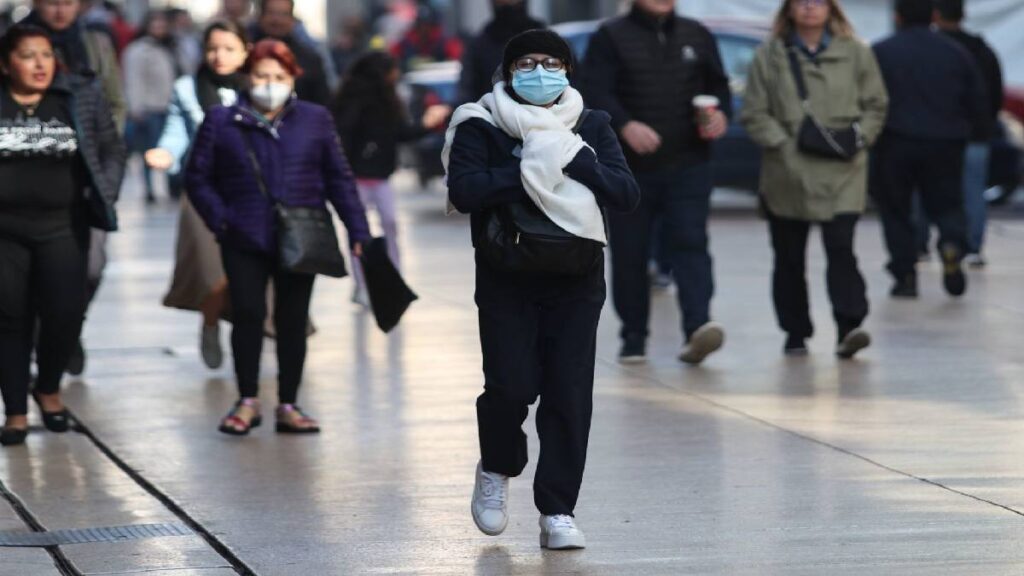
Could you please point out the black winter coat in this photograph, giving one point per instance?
(484, 173)
(370, 135)
(99, 143)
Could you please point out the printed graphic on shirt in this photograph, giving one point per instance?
(32, 138)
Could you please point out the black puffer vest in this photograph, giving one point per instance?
(663, 66)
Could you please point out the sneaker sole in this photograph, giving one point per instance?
(480, 526)
(704, 343)
(562, 543)
(632, 360)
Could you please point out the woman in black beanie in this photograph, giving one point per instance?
(528, 156)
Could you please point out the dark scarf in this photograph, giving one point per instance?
(69, 44)
(510, 21)
(208, 82)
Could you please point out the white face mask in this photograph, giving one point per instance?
(271, 96)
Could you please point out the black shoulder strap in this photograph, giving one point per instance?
(261, 183)
(798, 75)
(579, 123)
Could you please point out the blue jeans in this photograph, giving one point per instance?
(681, 198)
(976, 160)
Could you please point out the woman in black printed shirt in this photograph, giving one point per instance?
(61, 164)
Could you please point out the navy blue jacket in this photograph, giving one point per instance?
(302, 163)
(935, 89)
(484, 173)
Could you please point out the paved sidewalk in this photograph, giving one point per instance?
(905, 461)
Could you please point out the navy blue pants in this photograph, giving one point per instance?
(681, 197)
(539, 340)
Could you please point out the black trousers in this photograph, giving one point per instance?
(248, 275)
(44, 280)
(934, 168)
(679, 199)
(538, 337)
(846, 286)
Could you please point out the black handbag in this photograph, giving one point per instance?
(813, 137)
(390, 296)
(306, 240)
(519, 237)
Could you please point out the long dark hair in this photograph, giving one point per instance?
(367, 85)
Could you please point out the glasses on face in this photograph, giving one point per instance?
(529, 64)
(810, 3)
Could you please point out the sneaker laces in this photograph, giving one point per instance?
(492, 486)
(562, 521)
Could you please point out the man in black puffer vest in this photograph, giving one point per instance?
(645, 69)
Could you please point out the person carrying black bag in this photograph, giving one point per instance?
(536, 181)
(814, 102)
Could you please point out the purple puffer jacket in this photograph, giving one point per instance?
(302, 163)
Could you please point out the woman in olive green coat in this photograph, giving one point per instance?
(845, 89)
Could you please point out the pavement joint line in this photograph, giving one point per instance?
(63, 564)
(218, 546)
(746, 415)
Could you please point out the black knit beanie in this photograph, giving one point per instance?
(535, 42)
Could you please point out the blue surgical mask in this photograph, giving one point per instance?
(540, 87)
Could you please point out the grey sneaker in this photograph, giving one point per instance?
(361, 297)
(490, 502)
(852, 343)
(209, 346)
(561, 533)
(707, 340)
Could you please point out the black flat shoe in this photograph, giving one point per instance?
(59, 422)
(13, 436)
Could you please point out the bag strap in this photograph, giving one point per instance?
(261, 182)
(579, 123)
(798, 75)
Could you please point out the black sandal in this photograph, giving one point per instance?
(234, 425)
(292, 420)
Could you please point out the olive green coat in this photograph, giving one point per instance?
(844, 87)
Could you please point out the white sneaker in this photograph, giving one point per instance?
(975, 261)
(209, 346)
(707, 340)
(490, 502)
(561, 533)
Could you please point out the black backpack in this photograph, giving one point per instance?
(519, 237)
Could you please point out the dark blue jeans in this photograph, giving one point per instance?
(681, 197)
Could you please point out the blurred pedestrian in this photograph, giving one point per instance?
(199, 283)
(483, 54)
(150, 69)
(937, 100)
(277, 20)
(61, 164)
(187, 45)
(84, 52)
(530, 148)
(238, 11)
(813, 46)
(426, 42)
(372, 122)
(351, 43)
(668, 145)
(269, 148)
(949, 16)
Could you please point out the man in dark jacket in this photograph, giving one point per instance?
(277, 20)
(645, 69)
(949, 15)
(483, 55)
(936, 101)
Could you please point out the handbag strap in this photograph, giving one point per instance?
(579, 123)
(261, 182)
(798, 75)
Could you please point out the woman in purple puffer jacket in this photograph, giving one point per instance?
(302, 163)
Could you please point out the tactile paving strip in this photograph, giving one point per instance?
(91, 535)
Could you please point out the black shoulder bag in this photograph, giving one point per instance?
(815, 138)
(519, 237)
(306, 241)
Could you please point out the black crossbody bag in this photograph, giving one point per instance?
(306, 240)
(519, 237)
(814, 138)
